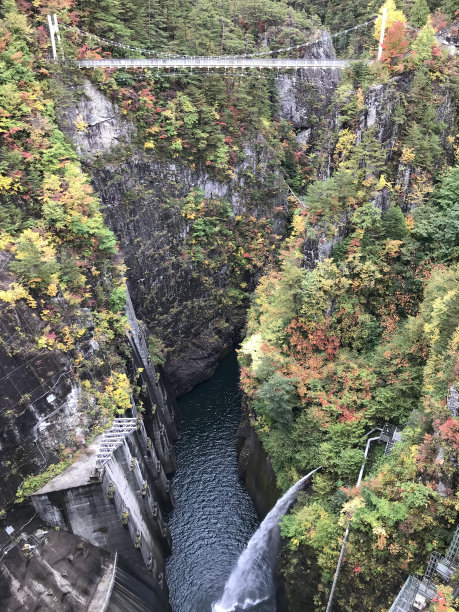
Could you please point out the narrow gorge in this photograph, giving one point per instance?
(229, 306)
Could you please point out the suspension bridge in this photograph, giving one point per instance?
(161, 60)
(255, 60)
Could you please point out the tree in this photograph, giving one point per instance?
(423, 44)
(395, 43)
(419, 13)
(393, 224)
(276, 398)
(449, 7)
(447, 199)
(393, 15)
(35, 260)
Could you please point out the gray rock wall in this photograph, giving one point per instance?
(139, 192)
(255, 466)
(40, 404)
(305, 96)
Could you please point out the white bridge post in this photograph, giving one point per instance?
(53, 27)
(381, 36)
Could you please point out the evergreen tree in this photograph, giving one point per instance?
(449, 7)
(419, 13)
(104, 17)
(157, 23)
(447, 199)
(393, 224)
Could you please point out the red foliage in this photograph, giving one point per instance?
(395, 43)
(450, 432)
(304, 341)
(438, 20)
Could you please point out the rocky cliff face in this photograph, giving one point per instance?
(255, 466)
(305, 97)
(118, 504)
(380, 109)
(42, 411)
(140, 193)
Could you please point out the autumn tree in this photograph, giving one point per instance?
(35, 260)
(423, 44)
(395, 43)
(393, 15)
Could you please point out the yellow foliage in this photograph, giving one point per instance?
(409, 221)
(440, 308)
(17, 292)
(117, 394)
(407, 155)
(421, 187)
(149, 144)
(265, 123)
(52, 287)
(6, 241)
(80, 125)
(346, 141)
(360, 99)
(8, 184)
(349, 508)
(393, 15)
(46, 251)
(383, 182)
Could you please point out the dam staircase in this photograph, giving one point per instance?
(113, 438)
(390, 434)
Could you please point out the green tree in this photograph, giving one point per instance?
(443, 225)
(422, 46)
(393, 224)
(419, 13)
(276, 398)
(35, 260)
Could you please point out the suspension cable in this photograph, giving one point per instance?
(244, 55)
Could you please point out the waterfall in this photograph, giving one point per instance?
(252, 580)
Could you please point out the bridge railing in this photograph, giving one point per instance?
(214, 62)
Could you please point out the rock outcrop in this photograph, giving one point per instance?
(305, 97)
(140, 193)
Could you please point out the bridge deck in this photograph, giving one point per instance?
(214, 62)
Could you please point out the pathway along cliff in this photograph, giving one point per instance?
(214, 517)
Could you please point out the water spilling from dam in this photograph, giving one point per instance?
(251, 584)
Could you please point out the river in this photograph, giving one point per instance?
(214, 516)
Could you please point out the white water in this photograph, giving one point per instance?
(252, 580)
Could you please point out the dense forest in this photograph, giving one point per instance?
(367, 335)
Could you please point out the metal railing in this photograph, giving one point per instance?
(114, 437)
(214, 62)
